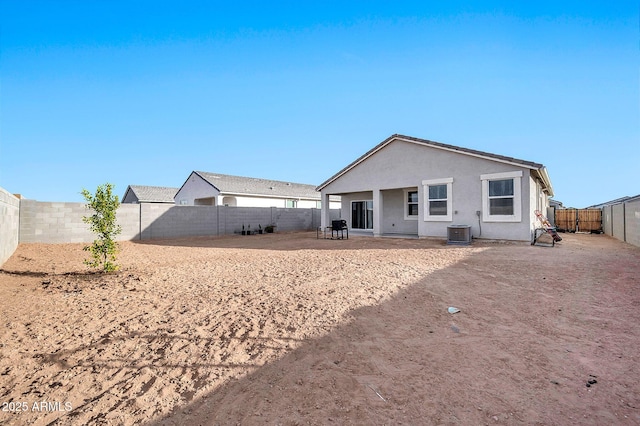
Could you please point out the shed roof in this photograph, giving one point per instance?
(466, 151)
(152, 194)
(256, 186)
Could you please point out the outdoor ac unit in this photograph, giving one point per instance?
(459, 234)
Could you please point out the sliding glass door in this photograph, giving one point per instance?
(362, 214)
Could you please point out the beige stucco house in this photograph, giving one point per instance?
(416, 187)
(215, 189)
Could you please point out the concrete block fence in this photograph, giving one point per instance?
(30, 221)
(622, 221)
(9, 224)
(47, 222)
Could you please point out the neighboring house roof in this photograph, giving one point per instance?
(240, 185)
(151, 194)
(616, 201)
(555, 203)
(466, 151)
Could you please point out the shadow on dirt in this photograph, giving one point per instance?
(532, 326)
(505, 356)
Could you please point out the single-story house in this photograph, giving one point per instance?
(215, 189)
(556, 204)
(620, 200)
(136, 194)
(417, 187)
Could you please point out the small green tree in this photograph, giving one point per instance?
(103, 223)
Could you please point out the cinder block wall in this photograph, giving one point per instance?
(128, 217)
(632, 222)
(293, 219)
(231, 219)
(52, 222)
(9, 224)
(607, 220)
(49, 222)
(622, 221)
(617, 221)
(166, 221)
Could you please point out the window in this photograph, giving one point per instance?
(501, 197)
(318, 204)
(362, 214)
(438, 200)
(411, 204)
(292, 204)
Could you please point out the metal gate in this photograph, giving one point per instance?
(579, 220)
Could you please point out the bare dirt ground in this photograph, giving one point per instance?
(287, 329)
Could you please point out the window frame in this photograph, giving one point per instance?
(428, 217)
(407, 203)
(366, 210)
(517, 196)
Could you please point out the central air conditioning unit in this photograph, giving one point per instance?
(459, 234)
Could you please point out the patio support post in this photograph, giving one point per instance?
(377, 213)
(325, 211)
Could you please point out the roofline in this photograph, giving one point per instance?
(127, 191)
(200, 176)
(617, 201)
(546, 181)
(206, 180)
(284, 197)
(451, 148)
(284, 182)
(141, 200)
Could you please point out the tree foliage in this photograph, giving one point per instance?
(103, 223)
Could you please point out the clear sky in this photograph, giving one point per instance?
(144, 92)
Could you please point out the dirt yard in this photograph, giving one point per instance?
(286, 329)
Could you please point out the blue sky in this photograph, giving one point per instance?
(143, 92)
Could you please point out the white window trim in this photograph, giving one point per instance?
(438, 218)
(517, 197)
(406, 204)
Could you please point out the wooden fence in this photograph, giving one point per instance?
(579, 220)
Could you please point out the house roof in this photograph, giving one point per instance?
(616, 201)
(152, 194)
(555, 203)
(229, 184)
(466, 151)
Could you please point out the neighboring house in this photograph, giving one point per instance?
(551, 210)
(412, 186)
(614, 202)
(556, 204)
(136, 194)
(214, 189)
